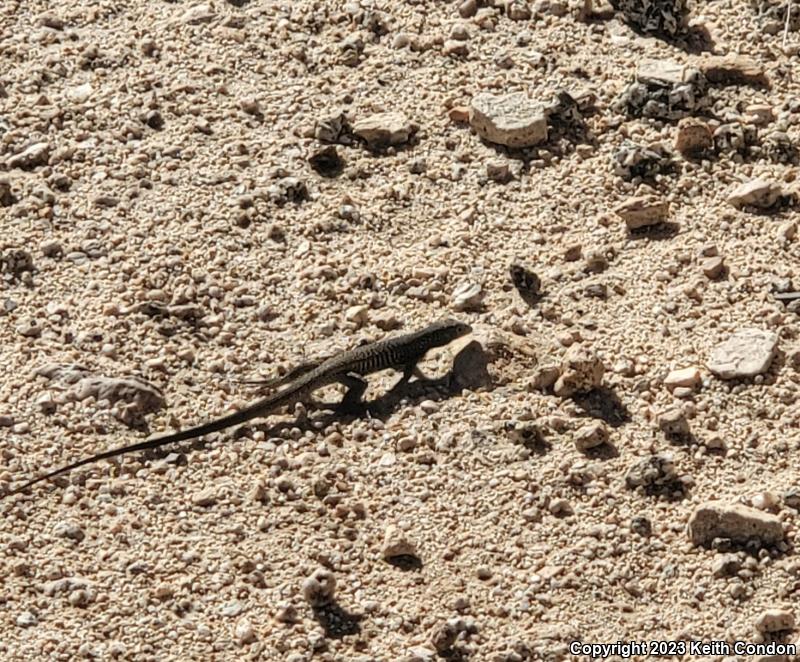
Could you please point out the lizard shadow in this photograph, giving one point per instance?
(435, 389)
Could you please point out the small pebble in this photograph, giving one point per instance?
(319, 588)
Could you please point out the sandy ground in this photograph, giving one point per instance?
(169, 130)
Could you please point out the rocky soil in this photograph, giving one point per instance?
(196, 194)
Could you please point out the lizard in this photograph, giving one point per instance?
(348, 368)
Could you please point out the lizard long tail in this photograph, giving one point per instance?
(259, 408)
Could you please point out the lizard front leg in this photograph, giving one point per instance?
(356, 386)
(409, 370)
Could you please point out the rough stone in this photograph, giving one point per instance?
(693, 137)
(735, 137)
(664, 90)
(526, 282)
(664, 17)
(642, 211)
(726, 565)
(513, 120)
(581, 371)
(27, 619)
(758, 193)
(7, 197)
(15, 262)
(205, 498)
(468, 296)
(80, 93)
(245, 634)
(332, 128)
(687, 377)
(673, 422)
(396, 543)
(664, 72)
(731, 69)
(651, 471)
(591, 435)
(197, 14)
(746, 353)
(713, 267)
(632, 160)
(32, 156)
(775, 620)
(384, 129)
(443, 636)
(470, 364)
(319, 588)
(739, 523)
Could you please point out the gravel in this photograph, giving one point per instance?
(195, 193)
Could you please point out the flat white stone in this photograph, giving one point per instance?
(643, 210)
(683, 377)
(32, 156)
(664, 72)
(746, 353)
(715, 519)
(383, 129)
(197, 14)
(514, 120)
(756, 193)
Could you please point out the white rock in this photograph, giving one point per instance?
(69, 530)
(513, 120)
(591, 435)
(775, 620)
(244, 633)
(765, 501)
(581, 371)
(383, 129)
(760, 114)
(759, 193)
(196, 14)
(422, 653)
(396, 543)
(665, 72)
(30, 157)
(641, 211)
(746, 353)
(205, 498)
(357, 314)
(80, 93)
(468, 296)
(27, 619)
(716, 519)
(687, 377)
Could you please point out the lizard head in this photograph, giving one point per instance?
(447, 330)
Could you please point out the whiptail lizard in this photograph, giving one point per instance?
(348, 368)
